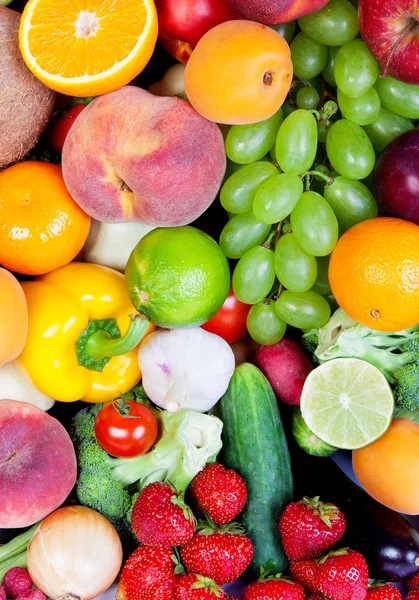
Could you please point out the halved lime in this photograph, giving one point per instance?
(347, 403)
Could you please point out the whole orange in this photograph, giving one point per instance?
(240, 72)
(41, 226)
(374, 273)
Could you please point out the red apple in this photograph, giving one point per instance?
(271, 12)
(182, 23)
(390, 28)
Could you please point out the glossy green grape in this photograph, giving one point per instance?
(356, 70)
(362, 110)
(254, 275)
(314, 224)
(308, 56)
(277, 197)
(321, 285)
(296, 144)
(294, 267)
(287, 30)
(334, 24)
(241, 233)
(306, 310)
(239, 189)
(351, 201)
(288, 108)
(386, 127)
(329, 69)
(401, 98)
(308, 98)
(248, 143)
(349, 150)
(264, 325)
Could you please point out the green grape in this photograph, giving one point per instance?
(249, 143)
(362, 110)
(314, 224)
(349, 150)
(321, 169)
(241, 233)
(401, 98)
(351, 201)
(287, 30)
(322, 285)
(264, 325)
(308, 98)
(356, 70)
(277, 197)
(306, 310)
(239, 189)
(328, 71)
(231, 168)
(386, 127)
(288, 108)
(308, 56)
(296, 144)
(334, 24)
(294, 267)
(254, 275)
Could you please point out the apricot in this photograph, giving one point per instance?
(240, 72)
(13, 317)
(389, 467)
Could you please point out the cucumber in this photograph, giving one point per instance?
(255, 446)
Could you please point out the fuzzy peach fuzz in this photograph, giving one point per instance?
(132, 156)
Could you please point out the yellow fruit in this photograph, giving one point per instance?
(87, 47)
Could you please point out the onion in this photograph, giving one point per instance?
(75, 554)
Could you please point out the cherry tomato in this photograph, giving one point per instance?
(60, 127)
(125, 429)
(230, 321)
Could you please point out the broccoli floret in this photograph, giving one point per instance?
(310, 341)
(406, 392)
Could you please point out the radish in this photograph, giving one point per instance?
(286, 366)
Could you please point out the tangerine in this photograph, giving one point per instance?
(374, 273)
(13, 317)
(41, 226)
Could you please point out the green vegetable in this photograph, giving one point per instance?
(13, 554)
(254, 445)
(306, 439)
(395, 354)
(188, 441)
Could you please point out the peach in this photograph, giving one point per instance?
(132, 156)
(275, 11)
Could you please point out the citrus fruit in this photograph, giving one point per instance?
(177, 277)
(374, 273)
(347, 403)
(240, 72)
(87, 47)
(14, 317)
(41, 227)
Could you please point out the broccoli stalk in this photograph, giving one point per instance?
(13, 554)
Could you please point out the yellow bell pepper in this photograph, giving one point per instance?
(82, 339)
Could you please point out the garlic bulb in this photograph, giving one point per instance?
(15, 384)
(185, 368)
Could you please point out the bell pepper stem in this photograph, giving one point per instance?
(101, 345)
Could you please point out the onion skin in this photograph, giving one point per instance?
(75, 554)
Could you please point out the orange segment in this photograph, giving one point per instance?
(87, 47)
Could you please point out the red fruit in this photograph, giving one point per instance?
(230, 320)
(413, 595)
(161, 518)
(342, 575)
(222, 555)
(304, 571)
(2, 593)
(144, 571)
(59, 128)
(16, 581)
(196, 587)
(413, 582)
(32, 595)
(163, 590)
(383, 592)
(274, 589)
(309, 528)
(220, 492)
(316, 596)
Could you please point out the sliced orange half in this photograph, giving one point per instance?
(87, 47)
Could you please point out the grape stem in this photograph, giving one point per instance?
(276, 233)
(308, 174)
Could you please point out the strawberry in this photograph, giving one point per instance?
(316, 596)
(148, 569)
(219, 492)
(383, 591)
(161, 518)
(274, 588)
(413, 582)
(304, 572)
(196, 587)
(342, 575)
(221, 554)
(309, 528)
(413, 595)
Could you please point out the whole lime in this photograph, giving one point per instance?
(177, 277)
